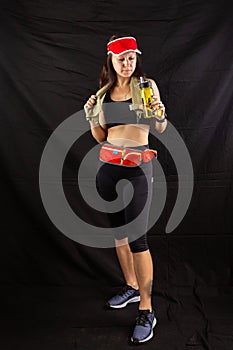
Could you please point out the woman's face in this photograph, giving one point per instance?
(125, 64)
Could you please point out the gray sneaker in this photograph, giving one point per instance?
(143, 331)
(125, 296)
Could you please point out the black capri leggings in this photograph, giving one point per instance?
(141, 179)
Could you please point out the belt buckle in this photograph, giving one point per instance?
(136, 163)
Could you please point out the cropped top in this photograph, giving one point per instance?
(119, 113)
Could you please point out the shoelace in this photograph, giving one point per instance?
(125, 290)
(142, 319)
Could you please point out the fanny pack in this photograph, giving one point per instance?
(125, 156)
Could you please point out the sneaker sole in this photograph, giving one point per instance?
(149, 336)
(133, 300)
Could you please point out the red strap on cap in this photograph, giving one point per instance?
(122, 45)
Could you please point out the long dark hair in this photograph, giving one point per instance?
(108, 73)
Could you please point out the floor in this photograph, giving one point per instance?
(67, 318)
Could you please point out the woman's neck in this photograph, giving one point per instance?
(122, 82)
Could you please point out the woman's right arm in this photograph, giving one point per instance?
(99, 131)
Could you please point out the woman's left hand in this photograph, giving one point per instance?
(157, 105)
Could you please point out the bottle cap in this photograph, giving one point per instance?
(144, 83)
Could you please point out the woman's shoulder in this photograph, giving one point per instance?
(151, 80)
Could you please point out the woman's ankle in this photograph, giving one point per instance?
(134, 285)
(145, 306)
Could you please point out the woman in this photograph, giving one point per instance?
(121, 130)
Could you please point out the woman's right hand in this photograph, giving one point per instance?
(90, 102)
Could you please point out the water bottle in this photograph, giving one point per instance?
(146, 94)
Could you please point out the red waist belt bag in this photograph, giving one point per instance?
(125, 156)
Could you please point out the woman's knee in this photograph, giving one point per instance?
(139, 245)
(121, 242)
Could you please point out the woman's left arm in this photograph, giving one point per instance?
(160, 122)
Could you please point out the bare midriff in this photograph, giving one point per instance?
(130, 135)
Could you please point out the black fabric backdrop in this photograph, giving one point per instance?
(50, 59)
